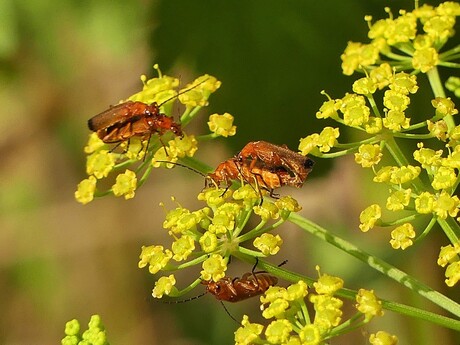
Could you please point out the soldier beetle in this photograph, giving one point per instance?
(238, 289)
(134, 118)
(125, 120)
(277, 159)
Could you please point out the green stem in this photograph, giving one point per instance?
(378, 264)
(401, 160)
(450, 228)
(189, 115)
(259, 231)
(197, 165)
(438, 91)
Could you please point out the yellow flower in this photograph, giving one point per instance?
(444, 178)
(163, 286)
(368, 304)
(404, 174)
(100, 163)
(214, 268)
(401, 237)
(358, 55)
(446, 205)
(278, 331)
(398, 200)
(196, 94)
(327, 139)
(395, 100)
(448, 254)
(453, 273)
(424, 203)
(248, 333)
(85, 190)
(444, 106)
(383, 338)
(94, 143)
(368, 155)
(403, 83)
(328, 109)
(395, 120)
(222, 124)
(268, 244)
(369, 217)
(425, 59)
(126, 184)
(183, 247)
(155, 256)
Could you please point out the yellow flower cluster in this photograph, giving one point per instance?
(292, 323)
(212, 234)
(146, 145)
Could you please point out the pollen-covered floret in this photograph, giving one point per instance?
(424, 203)
(100, 163)
(398, 200)
(248, 333)
(368, 155)
(183, 247)
(268, 244)
(327, 285)
(126, 184)
(214, 268)
(154, 256)
(277, 332)
(453, 273)
(368, 304)
(448, 254)
(328, 311)
(196, 94)
(401, 236)
(268, 210)
(163, 286)
(369, 217)
(444, 106)
(328, 109)
(85, 190)
(444, 178)
(438, 129)
(222, 125)
(446, 205)
(383, 338)
(208, 242)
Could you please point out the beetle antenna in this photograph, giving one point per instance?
(184, 300)
(181, 93)
(182, 165)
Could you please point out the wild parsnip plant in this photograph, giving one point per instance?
(422, 186)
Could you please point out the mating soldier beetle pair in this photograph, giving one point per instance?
(265, 165)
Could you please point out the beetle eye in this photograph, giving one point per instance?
(309, 163)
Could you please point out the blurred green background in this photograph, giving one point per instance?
(62, 62)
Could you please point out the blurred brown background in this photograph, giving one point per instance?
(62, 62)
